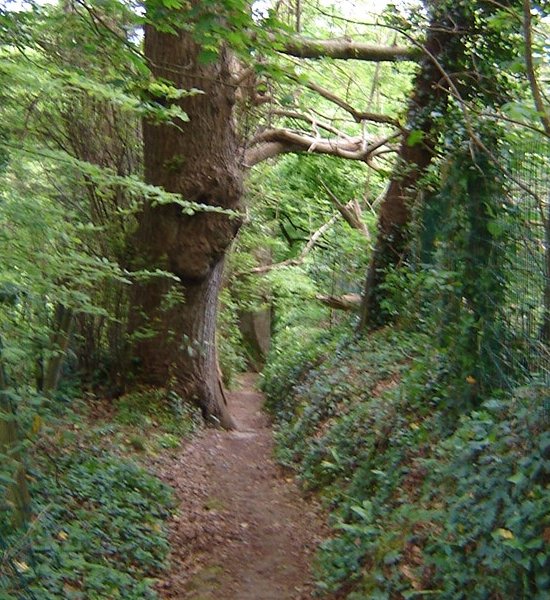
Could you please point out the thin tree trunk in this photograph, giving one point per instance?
(16, 493)
(200, 160)
(64, 322)
(545, 120)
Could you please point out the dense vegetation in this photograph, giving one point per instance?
(421, 499)
(373, 225)
(98, 514)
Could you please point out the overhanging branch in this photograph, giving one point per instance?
(346, 49)
(357, 115)
(272, 142)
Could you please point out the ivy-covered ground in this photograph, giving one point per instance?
(425, 501)
(98, 526)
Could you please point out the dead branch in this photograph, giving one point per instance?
(351, 212)
(294, 262)
(347, 302)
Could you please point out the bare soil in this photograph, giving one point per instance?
(242, 529)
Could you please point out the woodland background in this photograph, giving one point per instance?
(363, 197)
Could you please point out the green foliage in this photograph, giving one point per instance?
(492, 536)
(417, 507)
(295, 350)
(98, 530)
(98, 516)
(280, 227)
(214, 23)
(428, 496)
(75, 86)
(232, 354)
(470, 278)
(419, 439)
(155, 408)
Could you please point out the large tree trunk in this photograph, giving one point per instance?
(415, 156)
(200, 160)
(392, 238)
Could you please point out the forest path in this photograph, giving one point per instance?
(242, 530)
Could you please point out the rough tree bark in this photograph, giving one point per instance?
(203, 161)
(200, 160)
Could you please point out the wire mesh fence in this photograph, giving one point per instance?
(529, 279)
(496, 243)
(506, 259)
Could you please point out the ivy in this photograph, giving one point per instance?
(98, 532)
(416, 508)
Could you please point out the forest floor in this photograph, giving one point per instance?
(242, 530)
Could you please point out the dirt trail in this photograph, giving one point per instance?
(242, 531)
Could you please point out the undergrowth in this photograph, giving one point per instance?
(422, 501)
(98, 527)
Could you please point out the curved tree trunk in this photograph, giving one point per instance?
(393, 235)
(415, 156)
(200, 160)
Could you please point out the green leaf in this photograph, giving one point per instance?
(415, 137)
(495, 228)
(517, 478)
(209, 55)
